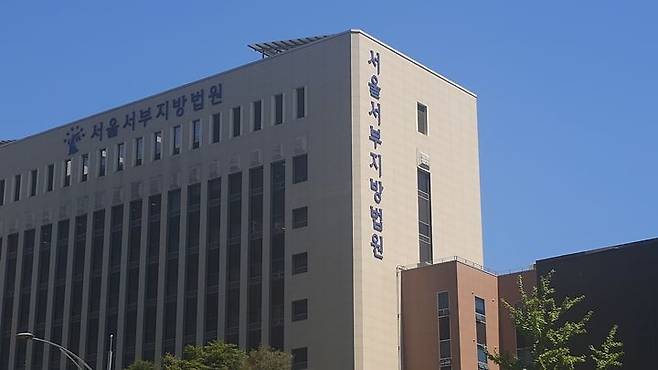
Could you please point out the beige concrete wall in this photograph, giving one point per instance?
(451, 147)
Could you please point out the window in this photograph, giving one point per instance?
(299, 168)
(236, 129)
(443, 302)
(51, 178)
(121, 156)
(196, 134)
(84, 168)
(299, 358)
(67, 172)
(139, 151)
(300, 103)
(17, 188)
(299, 263)
(300, 310)
(216, 127)
(102, 165)
(2, 192)
(424, 216)
(176, 133)
(422, 119)
(157, 146)
(278, 109)
(299, 217)
(481, 333)
(479, 306)
(34, 176)
(257, 115)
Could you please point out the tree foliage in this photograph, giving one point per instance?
(221, 356)
(540, 320)
(141, 365)
(611, 351)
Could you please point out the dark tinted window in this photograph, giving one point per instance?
(300, 310)
(299, 217)
(216, 127)
(299, 263)
(17, 188)
(422, 119)
(51, 178)
(278, 109)
(237, 123)
(258, 115)
(299, 358)
(301, 102)
(33, 182)
(300, 168)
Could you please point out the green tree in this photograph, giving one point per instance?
(610, 354)
(141, 365)
(265, 358)
(213, 356)
(540, 319)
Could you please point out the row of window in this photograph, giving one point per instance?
(300, 166)
(445, 356)
(120, 159)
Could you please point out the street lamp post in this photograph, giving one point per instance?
(71, 356)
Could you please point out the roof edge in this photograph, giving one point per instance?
(444, 78)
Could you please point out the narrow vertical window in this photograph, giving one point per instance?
(300, 102)
(216, 127)
(234, 223)
(237, 124)
(196, 134)
(255, 258)
(17, 188)
(299, 168)
(277, 253)
(102, 162)
(121, 156)
(424, 216)
(157, 146)
(212, 258)
(34, 176)
(2, 192)
(278, 109)
(445, 357)
(84, 168)
(481, 332)
(422, 118)
(67, 172)
(50, 183)
(258, 115)
(139, 151)
(176, 133)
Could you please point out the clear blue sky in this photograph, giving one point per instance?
(568, 133)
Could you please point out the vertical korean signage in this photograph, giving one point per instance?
(375, 159)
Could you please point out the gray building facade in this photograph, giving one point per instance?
(269, 204)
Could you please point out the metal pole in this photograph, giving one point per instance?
(71, 356)
(109, 357)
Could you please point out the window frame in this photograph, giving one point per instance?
(304, 101)
(102, 162)
(419, 108)
(120, 163)
(84, 167)
(176, 140)
(274, 109)
(253, 115)
(139, 151)
(216, 127)
(295, 180)
(68, 173)
(157, 146)
(196, 134)
(296, 224)
(235, 123)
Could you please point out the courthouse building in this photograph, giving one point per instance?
(273, 203)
